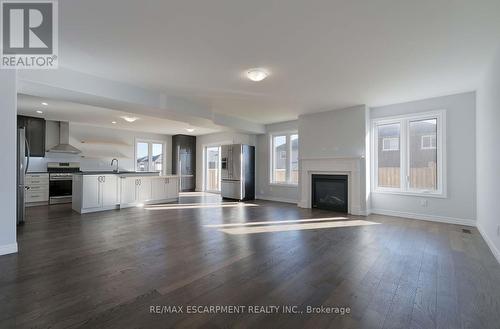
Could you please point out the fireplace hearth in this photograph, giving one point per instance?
(330, 192)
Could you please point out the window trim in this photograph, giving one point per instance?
(272, 158)
(404, 121)
(150, 143)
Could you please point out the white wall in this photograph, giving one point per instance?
(98, 156)
(264, 189)
(339, 133)
(214, 140)
(488, 157)
(8, 133)
(460, 204)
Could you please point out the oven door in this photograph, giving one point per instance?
(60, 190)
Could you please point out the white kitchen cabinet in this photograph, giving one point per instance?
(159, 188)
(109, 190)
(128, 190)
(91, 197)
(144, 189)
(172, 188)
(37, 189)
(95, 192)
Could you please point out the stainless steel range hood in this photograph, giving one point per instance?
(64, 146)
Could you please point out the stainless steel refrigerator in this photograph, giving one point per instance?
(23, 160)
(238, 172)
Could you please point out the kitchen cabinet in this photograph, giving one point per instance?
(110, 191)
(143, 189)
(35, 134)
(95, 192)
(135, 190)
(37, 189)
(184, 161)
(164, 188)
(128, 190)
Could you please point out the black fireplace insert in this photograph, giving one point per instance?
(330, 192)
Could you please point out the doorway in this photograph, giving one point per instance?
(212, 169)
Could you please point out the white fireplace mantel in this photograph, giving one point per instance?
(353, 167)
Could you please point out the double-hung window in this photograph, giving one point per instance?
(285, 158)
(409, 154)
(149, 155)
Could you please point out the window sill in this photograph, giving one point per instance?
(284, 184)
(417, 194)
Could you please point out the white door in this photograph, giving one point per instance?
(212, 169)
(158, 188)
(91, 194)
(144, 189)
(128, 190)
(172, 188)
(109, 190)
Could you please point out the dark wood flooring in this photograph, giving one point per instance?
(106, 270)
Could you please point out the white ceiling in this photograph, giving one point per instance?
(322, 54)
(58, 110)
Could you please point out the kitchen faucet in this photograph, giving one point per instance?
(117, 169)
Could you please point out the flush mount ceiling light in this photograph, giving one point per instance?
(45, 104)
(113, 122)
(39, 112)
(190, 129)
(257, 74)
(129, 119)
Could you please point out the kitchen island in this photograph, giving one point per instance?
(104, 190)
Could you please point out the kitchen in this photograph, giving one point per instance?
(97, 167)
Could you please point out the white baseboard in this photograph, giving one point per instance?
(271, 198)
(432, 218)
(8, 249)
(490, 243)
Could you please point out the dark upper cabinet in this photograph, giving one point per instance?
(184, 161)
(35, 134)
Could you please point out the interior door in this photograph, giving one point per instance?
(212, 169)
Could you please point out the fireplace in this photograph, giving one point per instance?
(330, 192)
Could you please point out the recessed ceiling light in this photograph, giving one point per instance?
(257, 74)
(39, 112)
(113, 122)
(129, 119)
(45, 104)
(190, 129)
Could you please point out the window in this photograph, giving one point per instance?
(149, 156)
(408, 154)
(390, 144)
(428, 142)
(285, 159)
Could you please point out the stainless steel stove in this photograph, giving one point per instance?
(61, 181)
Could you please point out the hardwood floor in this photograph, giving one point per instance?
(106, 270)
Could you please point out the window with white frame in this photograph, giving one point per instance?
(149, 155)
(428, 142)
(416, 161)
(285, 158)
(390, 144)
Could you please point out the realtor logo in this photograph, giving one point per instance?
(29, 34)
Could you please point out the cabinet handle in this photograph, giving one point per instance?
(104, 179)
(140, 181)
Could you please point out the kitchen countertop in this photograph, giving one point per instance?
(124, 173)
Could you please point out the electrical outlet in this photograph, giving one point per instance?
(423, 203)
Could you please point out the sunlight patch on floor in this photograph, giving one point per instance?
(295, 227)
(276, 222)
